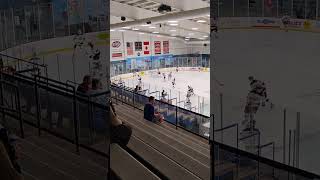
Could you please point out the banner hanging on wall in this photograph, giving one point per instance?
(138, 46)
(146, 46)
(165, 47)
(129, 48)
(116, 49)
(157, 47)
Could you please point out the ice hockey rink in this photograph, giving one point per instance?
(288, 62)
(198, 80)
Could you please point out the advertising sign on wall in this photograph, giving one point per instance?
(116, 49)
(138, 46)
(146, 46)
(165, 47)
(157, 47)
(129, 48)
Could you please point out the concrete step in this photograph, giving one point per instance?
(153, 129)
(28, 176)
(68, 156)
(190, 163)
(126, 167)
(199, 143)
(41, 170)
(57, 162)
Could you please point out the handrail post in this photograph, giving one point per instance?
(284, 134)
(298, 140)
(75, 120)
(176, 117)
(20, 113)
(2, 97)
(221, 115)
(37, 105)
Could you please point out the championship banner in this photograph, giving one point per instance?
(116, 49)
(129, 48)
(146, 49)
(157, 47)
(138, 46)
(165, 47)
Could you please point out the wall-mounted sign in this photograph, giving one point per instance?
(165, 47)
(157, 47)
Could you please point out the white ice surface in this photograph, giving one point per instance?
(289, 64)
(200, 81)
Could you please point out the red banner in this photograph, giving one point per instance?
(165, 47)
(157, 47)
(146, 49)
(129, 48)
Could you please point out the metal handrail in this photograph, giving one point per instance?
(228, 127)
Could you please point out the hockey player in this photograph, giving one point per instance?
(258, 87)
(164, 76)
(190, 91)
(177, 69)
(285, 21)
(248, 124)
(188, 104)
(164, 96)
(170, 76)
(139, 81)
(159, 73)
(174, 82)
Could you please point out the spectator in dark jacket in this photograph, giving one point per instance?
(85, 86)
(149, 112)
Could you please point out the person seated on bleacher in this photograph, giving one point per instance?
(149, 112)
(120, 132)
(85, 86)
(9, 168)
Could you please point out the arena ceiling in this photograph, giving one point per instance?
(193, 28)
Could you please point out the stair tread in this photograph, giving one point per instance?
(185, 160)
(154, 129)
(131, 168)
(58, 162)
(68, 156)
(41, 170)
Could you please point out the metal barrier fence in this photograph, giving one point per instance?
(54, 107)
(182, 118)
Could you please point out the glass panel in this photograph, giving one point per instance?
(270, 8)
(255, 8)
(57, 113)
(32, 23)
(226, 8)
(298, 9)
(46, 21)
(60, 18)
(311, 9)
(241, 8)
(285, 7)
(20, 28)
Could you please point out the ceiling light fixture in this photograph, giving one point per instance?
(173, 30)
(112, 30)
(194, 28)
(156, 32)
(201, 21)
(145, 25)
(173, 24)
(172, 21)
(152, 27)
(126, 27)
(135, 29)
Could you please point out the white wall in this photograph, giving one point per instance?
(176, 46)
